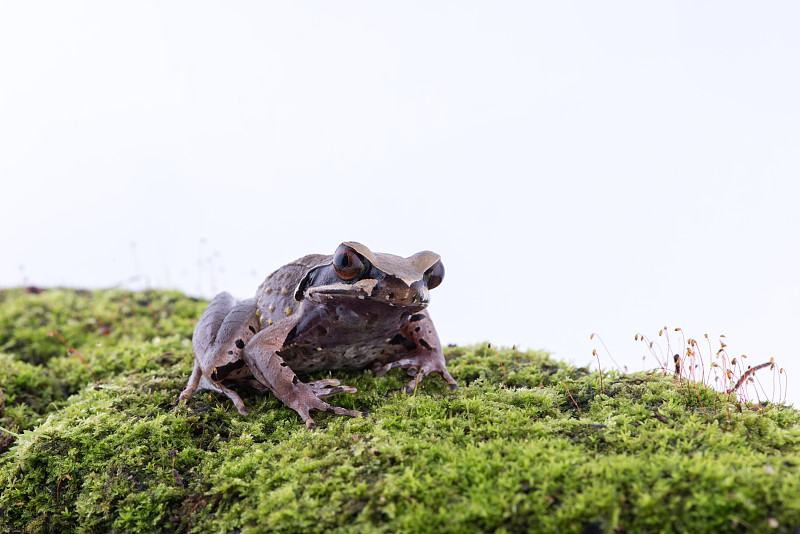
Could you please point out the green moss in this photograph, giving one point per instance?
(526, 444)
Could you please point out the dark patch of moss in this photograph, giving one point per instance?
(527, 443)
(44, 335)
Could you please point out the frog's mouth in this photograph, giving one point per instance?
(368, 291)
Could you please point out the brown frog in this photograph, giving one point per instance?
(352, 310)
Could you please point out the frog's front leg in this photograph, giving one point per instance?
(424, 352)
(261, 355)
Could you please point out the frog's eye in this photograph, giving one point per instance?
(347, 264)
(435, 274)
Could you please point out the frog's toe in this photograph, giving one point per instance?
(381, 370)
(412, 385)
(186, 394)
(330, 392)
(237, 401)
(324, 382)
(422, 372)
(193, 384)
(303, 411)
(338, 410)
(449, 379)
(233, 396)
(329, 387)
(325, 407)
(306, 402)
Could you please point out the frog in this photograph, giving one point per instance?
(353, 310)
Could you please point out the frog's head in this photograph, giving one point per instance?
(355, 272)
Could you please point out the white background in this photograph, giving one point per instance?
(586, 167)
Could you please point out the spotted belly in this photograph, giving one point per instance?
(307, 358)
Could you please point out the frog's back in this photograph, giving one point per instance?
(275, 296)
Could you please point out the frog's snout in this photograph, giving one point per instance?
(397, 293)
(417, 294)
(421, 295)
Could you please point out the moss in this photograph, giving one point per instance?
(526, 444)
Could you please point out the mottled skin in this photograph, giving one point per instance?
(352, 310)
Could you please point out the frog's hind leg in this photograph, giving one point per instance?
(199, 381)
(203, 337)
(218, 342)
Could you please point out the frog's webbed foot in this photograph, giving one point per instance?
(304, 399)
(424, 353)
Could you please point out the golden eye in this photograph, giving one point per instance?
(347, 264)
(435, 274)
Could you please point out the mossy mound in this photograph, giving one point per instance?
(526, 444)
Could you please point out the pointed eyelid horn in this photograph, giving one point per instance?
(409, 270)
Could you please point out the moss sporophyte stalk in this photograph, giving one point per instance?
(527, 444)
